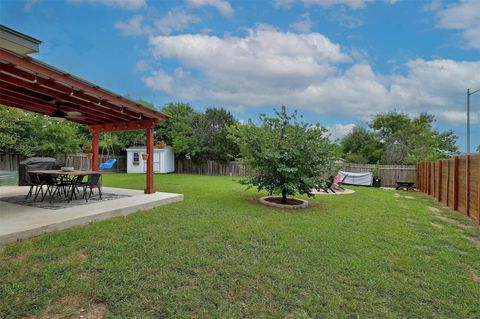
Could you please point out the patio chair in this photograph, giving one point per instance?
(75, 181)
(56, 186)
(334, 183)
(340, 182)
(36, 183)
(92, 182)
(329, 184)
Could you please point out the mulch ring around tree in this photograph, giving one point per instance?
(292, 203)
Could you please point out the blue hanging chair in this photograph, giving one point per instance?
(108, 164)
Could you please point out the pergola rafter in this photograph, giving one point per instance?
(32, 85)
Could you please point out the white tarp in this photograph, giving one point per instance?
(364, 179)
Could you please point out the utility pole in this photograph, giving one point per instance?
(468, 117)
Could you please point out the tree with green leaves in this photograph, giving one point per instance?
(411, 140)
(395, 138)
(287, 156)
(178, 130)
(30, 134)
(210, 128)
(16, 127)
(361, 146)
(55, 138)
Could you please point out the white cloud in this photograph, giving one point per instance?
(435, 83)
(222, 6)
(28, 6)
(268, 68)
(338, 131)
(132, 27)
(352, 4)
(346, 20)
(459, 117)
(283, 4)
(304, 24)
(175, 20)
(463, 16)
(124, 4)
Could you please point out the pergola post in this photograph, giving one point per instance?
(95, 158)
(150, 187)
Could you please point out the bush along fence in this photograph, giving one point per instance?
(454, 183)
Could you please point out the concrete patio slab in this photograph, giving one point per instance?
(21, 221)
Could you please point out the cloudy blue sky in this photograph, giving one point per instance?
(337, 61)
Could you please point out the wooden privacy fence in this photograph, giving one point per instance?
(9, 162)
(389, 174)
(454, 182)
(186, 166)
(80, 161)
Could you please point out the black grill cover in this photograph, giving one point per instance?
(34, 164)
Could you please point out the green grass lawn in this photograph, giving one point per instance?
(219, 254)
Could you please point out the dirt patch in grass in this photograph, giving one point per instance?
(454, 222)
(474, 276)
(436, 225)
(278, 200)
(312, 205)
(434, 210)
(474, 240)
(411, 221)
(70, 307)
(18, 257)
(409, 197)
(438, 213)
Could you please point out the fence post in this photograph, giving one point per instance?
(478, 188)
(434, 179)
(455, 182)
(440, 173)
(467, 189)
(448, 181)
(428, 177)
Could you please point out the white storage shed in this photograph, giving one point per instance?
(163, 160)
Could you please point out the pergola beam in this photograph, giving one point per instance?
(28, 63)
(31, 78)
(31, 85)
(124, 126)
(15, 84)
(38, 107)
(41, 109)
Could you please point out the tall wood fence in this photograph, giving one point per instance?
(9, 162)
(389, 174)
(454, 183)
(186, 166)
(80, 161)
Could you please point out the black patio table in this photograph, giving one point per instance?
(69, 174)
(406, 185)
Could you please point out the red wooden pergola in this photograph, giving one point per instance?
(32, 85)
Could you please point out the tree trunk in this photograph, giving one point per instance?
(284, 196)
